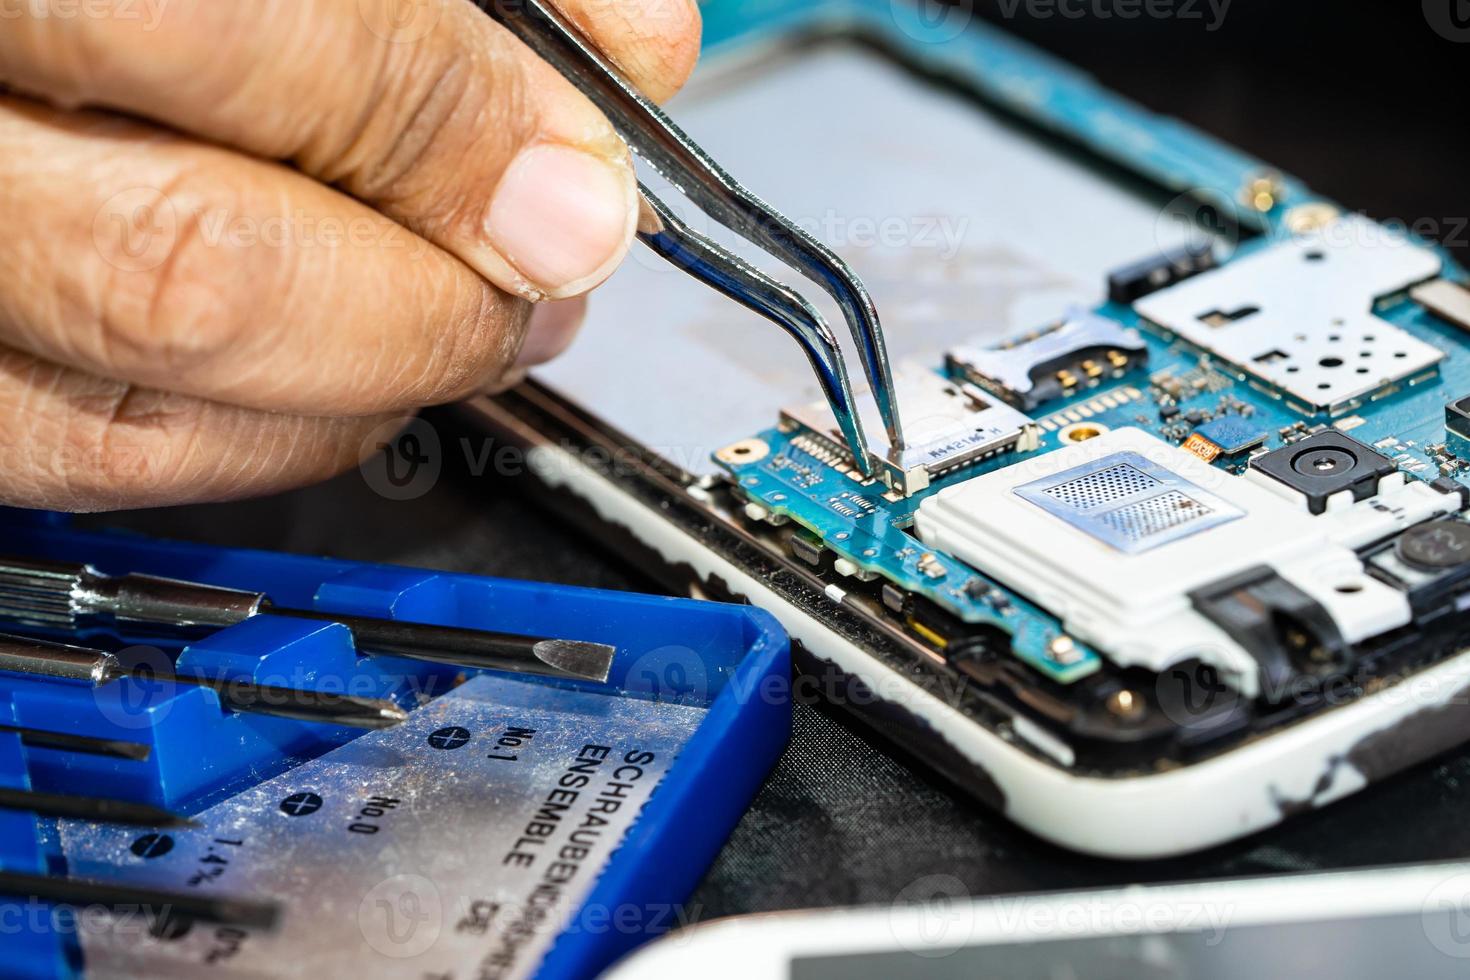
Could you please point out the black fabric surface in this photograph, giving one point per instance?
(1366, 103)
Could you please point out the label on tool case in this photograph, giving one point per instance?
(455, 846)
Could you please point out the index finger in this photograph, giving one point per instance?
(425, 109)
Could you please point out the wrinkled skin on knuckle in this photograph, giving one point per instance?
(33, 473)
(62, 452)
(655, 43)
(215, 270)
(140, 443)
(476, 345)
(423, 118)
(83, 443)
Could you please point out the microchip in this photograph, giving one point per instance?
(1231, 434)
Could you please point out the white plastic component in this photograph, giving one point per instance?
(1135, 607)
(1339, 502)
(1397, 506)
(1299, 315)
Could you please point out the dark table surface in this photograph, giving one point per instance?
(1368, 104)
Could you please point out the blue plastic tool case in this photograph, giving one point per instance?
(732, 659)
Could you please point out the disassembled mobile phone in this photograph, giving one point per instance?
(1176, 546)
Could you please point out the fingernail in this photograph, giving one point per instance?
(562, 218)
(553, 327)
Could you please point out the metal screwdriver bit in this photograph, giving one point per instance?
(30, 656)
(83, 893)
(76, 598)
(95, 808)
(42, 738)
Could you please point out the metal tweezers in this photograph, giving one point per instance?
(675, 157)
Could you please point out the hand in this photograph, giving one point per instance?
(239, 236)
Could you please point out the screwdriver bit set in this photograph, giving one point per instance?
(261, 764)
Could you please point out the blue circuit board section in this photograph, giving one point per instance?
(859, 524)
(1176, 392)
(1180, 390)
